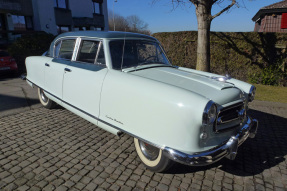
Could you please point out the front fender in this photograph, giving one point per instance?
(162, 114)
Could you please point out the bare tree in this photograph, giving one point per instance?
(130, 24)
(204, 19)
(136, 24)
(120, 23)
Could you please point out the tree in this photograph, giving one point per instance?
(129, 24)
(136, 24)
(120, 22)
(204, 19)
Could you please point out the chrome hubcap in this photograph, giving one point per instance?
(43, 96)
(149, 151)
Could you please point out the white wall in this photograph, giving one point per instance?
(81, 8)
(44, 16)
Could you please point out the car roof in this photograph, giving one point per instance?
(105, 34)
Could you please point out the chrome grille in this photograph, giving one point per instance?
(231, 114)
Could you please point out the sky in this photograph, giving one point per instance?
(161, 17)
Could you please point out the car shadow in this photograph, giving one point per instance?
(266, 150)
(12, 102)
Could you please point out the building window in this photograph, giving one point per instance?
(29, 23)
(61, 4)
(97, 8)
(19, 23)
(62, 29)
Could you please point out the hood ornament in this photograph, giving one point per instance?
(221, 78)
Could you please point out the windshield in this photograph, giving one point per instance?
(133, 53)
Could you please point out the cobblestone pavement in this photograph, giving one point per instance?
(56, 150)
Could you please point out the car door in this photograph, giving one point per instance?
(54, 69)
(84, 77)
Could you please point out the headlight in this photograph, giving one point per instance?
(209, 114)
(251, 94)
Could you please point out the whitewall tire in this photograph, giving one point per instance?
(152, 157)
(44, 100)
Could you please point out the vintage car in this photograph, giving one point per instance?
(123, 83)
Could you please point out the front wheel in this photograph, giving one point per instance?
(152, 157)
(45, 101)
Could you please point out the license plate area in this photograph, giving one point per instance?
(4, 68)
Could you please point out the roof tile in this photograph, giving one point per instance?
(281, 4)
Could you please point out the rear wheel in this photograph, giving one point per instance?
(152, 157)
(45, 101)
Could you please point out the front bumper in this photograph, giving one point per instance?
(227, 149)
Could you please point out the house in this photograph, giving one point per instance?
(52, 16)
(272, 18)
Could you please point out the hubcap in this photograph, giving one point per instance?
(149, 151)
(43, 96)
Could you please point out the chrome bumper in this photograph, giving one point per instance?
(227, 149)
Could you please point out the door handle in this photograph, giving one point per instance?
(46, 64)
(68, 70)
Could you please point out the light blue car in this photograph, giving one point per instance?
(124, 83)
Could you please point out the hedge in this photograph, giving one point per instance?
(29, 45)
(249, 56)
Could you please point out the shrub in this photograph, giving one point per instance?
(29, 45)
(257, 57)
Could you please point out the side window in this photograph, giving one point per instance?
(88, 51)
(66, 49)
(101, 56)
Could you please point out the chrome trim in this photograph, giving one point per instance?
(149, 151)
(43, 96)
(76, 49)
(206, 110)
(241, 115)
(221, 78)
(219, 121)
(226, 149)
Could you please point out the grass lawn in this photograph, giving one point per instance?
(271, 93)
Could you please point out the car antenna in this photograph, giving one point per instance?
(123, 49)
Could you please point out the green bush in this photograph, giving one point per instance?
(29, 45)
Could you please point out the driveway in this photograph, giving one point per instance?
(44, 149)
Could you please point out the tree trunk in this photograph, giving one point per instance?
(203, 13)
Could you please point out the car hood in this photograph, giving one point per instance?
(220, 92)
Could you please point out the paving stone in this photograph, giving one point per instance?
(23, 188)
(91, 186)
(61, 188)
(115, 187)
(76, 178)
(8, 179)
(80, 185)
(20, 181)
(99, 180)
(162, 187)
(10, 187)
